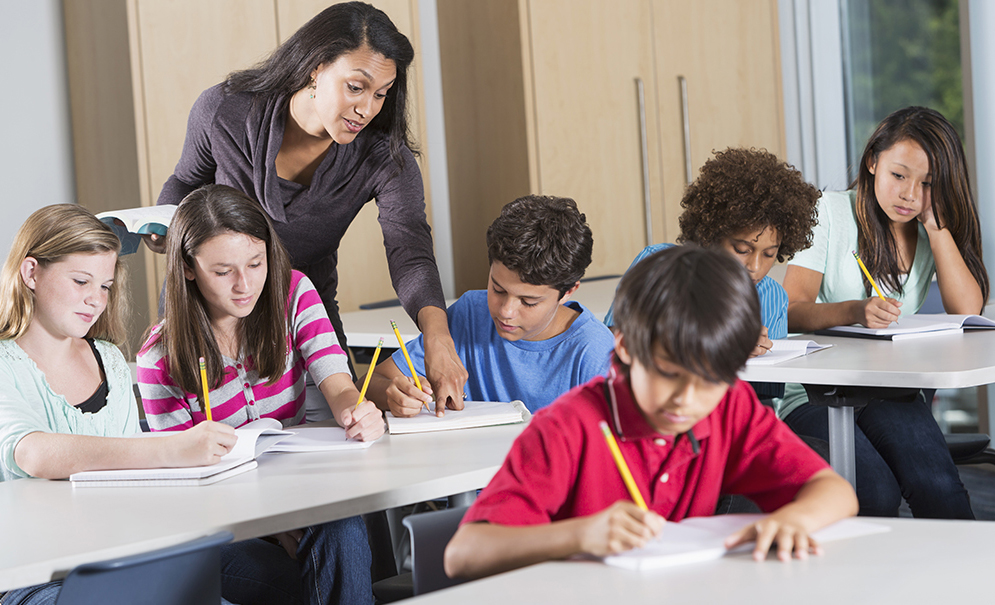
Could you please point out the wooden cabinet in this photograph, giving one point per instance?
(544, 96)
(135, 69)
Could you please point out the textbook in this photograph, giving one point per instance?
(783, 350)
(254, 438)
(135, 222)
(473, 415)
(915, 326)
(699, 539)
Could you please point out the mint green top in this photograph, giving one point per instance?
(28, 404)
(834, 239)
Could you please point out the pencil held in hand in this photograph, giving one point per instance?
(623, 468)
(207, 395)
(868, 275)
(407, 358)
(369, 372)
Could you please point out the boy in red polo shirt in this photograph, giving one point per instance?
(686, 319)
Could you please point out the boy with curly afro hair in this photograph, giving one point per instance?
(759, 209)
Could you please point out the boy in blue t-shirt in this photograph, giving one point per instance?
(522, 338)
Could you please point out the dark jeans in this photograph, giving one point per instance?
(333, 566)
(42, 594)
(900, 452)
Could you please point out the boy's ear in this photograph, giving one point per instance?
(29, 271)
(621, 350)
(566, 295)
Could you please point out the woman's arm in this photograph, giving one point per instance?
(443, 366)
(961, 293)
(58, 455)
(483, 549)
(806, 315)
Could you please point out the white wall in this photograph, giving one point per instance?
(36, 166)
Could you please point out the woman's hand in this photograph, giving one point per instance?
(620, 527)
(442, 365)
(404, 399)
(763, 345)
(784, 530)
(155, 243)
(201, 445)
(876, 313)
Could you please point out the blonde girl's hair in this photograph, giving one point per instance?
(186, 332)
(49, 235)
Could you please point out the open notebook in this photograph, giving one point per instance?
(255, 438)
(474, 414)
(915, 326)
(783, 350)
(137, 222)
(698, 539)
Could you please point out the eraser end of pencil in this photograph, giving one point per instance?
(202, 362)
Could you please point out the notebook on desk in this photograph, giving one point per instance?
(473, 415)
(699, 539)
(783, 350)
(915, 326)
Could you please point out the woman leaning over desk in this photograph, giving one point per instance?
(910, 215)
(314, 132)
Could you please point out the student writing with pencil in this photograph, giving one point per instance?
(66, 397)
(686, 319)
(908, 215)
(232, 298)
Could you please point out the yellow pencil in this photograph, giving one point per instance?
(623, 468)
(407, 358)
(207, 395)
(369, 372)
(868, 274)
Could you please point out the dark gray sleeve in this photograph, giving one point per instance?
(197, 165)
(407, 238)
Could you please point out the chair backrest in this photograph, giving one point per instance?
(185, 574)
(430, 533)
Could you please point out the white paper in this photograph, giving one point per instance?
(474, 414)
(783, 350)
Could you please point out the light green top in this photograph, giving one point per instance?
(834, 239)
(28, 404)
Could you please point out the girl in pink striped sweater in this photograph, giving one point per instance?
(232, 298)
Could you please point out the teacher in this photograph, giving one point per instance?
(314, 132)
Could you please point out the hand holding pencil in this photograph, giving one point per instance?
(876, 311)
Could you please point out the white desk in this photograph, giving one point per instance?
(49, 527)
(917, 562)
(365, 328)
(934, 362)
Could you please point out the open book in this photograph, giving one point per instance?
(783, 350)
(132, 223)
(474, 414)
(698, 539)
(914, 326)
(317, 439)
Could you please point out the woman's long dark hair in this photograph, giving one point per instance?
(186, 331)
(950, 192)
(339, 29)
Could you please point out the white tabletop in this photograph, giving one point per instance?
(917, 562)
(365, 328)
(49, 527)
(931, 362)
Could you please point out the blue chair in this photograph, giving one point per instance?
(185, 574)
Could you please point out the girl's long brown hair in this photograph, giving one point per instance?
(953, 203)
(49, 235)
(186, 331)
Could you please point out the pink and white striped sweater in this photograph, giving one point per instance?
(243, 396)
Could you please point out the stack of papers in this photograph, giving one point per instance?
(698, 539)
(783, 350)
(474, 414)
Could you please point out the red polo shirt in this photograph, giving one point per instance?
(560, 467)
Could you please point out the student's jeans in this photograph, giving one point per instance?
(333, 566)
(42, 594)
(900, 452)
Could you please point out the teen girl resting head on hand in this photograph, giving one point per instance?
(66, 395)
(910, 215)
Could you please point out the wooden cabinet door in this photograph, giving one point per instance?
(586, 57)
(728, 52)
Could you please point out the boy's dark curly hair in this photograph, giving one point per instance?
(544, 239)
(742, 189)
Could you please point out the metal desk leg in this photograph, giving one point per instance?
(841, 449)
(464, 499)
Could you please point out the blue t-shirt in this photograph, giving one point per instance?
(773, 315)
(534, 372)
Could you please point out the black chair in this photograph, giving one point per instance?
(970, 448)
(186, 574)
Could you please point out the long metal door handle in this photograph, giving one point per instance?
(644, 143)
(688, 176)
